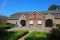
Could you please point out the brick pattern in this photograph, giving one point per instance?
(35, 16)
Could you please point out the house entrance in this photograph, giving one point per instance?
(23, 23)
(49, 23)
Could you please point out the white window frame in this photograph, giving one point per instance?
(31, 22)
(39, 22)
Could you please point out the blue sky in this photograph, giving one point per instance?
(8, 7)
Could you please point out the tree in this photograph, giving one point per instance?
(58, 7)
(54, 7)
(54, 34)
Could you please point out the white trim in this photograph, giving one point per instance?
(31, 22)
(39, 22)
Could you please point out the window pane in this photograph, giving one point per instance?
(39, 22)
(31, 22)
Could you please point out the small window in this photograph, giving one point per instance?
(39, 23)
(31, 22)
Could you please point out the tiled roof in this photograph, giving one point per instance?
(55, 13)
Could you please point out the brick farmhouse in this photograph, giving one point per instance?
(35, 18)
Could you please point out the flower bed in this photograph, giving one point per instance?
(35, 35)
(14, 35)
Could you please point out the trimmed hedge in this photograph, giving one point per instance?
(13, 35)
(6, 26)
(35, 35)
(58, 26)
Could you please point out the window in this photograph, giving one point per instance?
(39, 23)
(31, 22)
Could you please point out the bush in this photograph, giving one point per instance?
(13, 35)
(6, 26)
(35, 35)
(3, 33)
(54, 34)
(58, 26)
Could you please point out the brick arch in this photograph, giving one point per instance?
(23, 17)
(49, 23)
(23, 22)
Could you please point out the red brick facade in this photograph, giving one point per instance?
(36, 19)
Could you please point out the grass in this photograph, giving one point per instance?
(13, 35)
(36, 35)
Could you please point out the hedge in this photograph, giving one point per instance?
(13, 35)
(58, 26)
(6, 26)
(35, 35)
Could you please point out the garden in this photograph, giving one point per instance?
(53, 34)
(10, 35)
(36, 35)
(6, 26)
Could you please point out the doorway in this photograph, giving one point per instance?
(23, 23)
(49, 23)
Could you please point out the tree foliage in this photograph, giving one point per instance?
(54, 7)
(54, 34)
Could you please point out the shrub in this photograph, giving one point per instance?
(58, 26)
(3, 33)
(54, 34)
(35, 35)
(41, 36)
(14, 35)
(6, 26)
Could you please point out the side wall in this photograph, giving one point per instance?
(3, 20)
(12, 21)
(57, 21)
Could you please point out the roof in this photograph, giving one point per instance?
(1, 16)
(16, 15)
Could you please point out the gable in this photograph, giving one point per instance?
(49, 16)
(35, 15)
